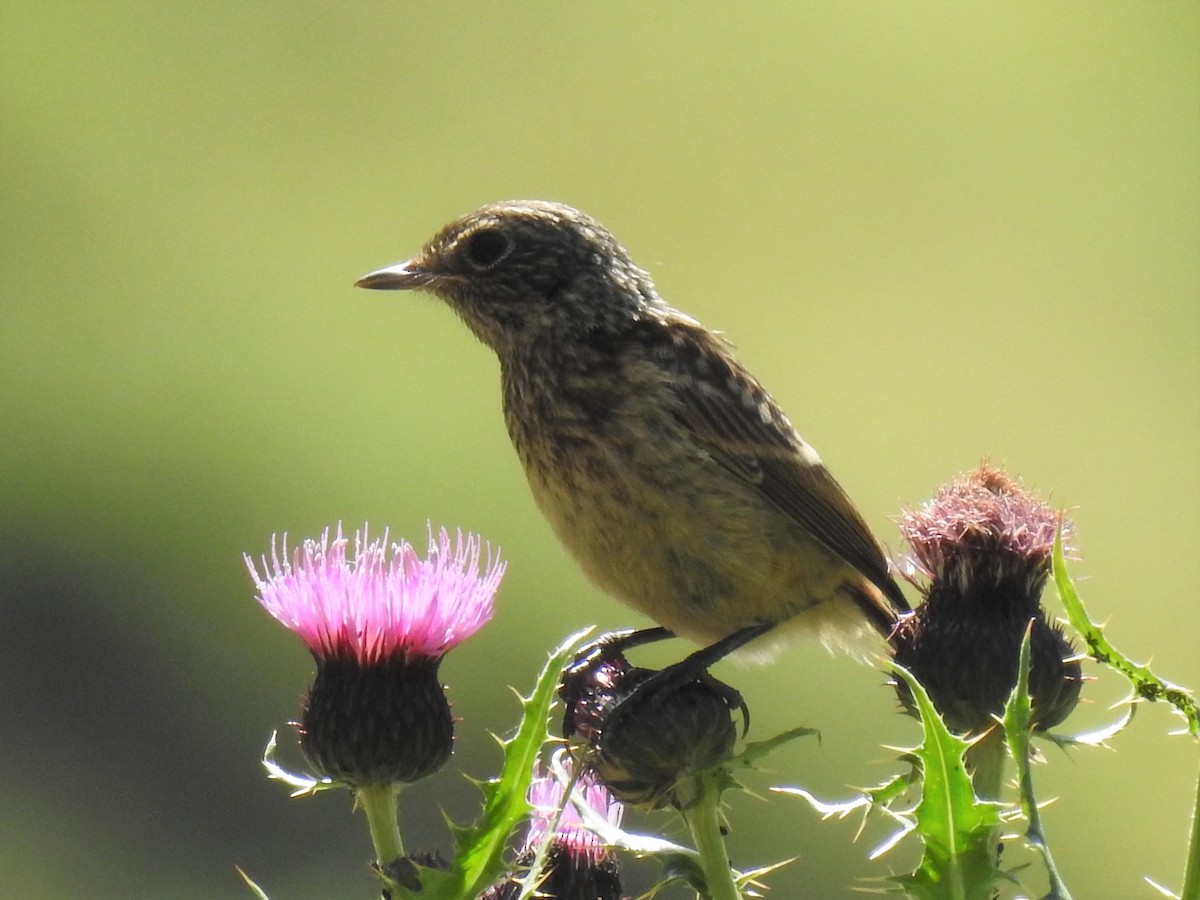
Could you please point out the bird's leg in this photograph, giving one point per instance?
(582, 678)
(693, 667)
(695, 663)
(614, 643)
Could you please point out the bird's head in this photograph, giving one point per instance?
(526, 269)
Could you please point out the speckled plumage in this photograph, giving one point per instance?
(664, 467)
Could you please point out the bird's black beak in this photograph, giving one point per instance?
(405, 276)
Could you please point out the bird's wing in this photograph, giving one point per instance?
(736, 421)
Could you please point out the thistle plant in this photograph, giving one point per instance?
(646, 748)
(985, 670)
(658, 749)
(979, 662)
(378, 623)
(980, 555)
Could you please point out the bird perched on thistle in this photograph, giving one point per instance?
(662, 464)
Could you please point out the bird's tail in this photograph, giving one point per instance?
(883, 605)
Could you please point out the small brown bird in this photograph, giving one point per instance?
(662, 464)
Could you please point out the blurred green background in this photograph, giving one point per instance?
(935, 231)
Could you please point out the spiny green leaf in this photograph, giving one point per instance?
(301, 785)
(880, 798)
(682, 868)
(869, 798)
(1146, 685)
(756, 750)
(957, 828)
(1097, 737)
(254, 888)
(750, 754)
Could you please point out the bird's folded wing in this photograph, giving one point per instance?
(744, 431)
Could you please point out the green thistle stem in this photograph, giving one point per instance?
(704, 822)
(378, 801)
(1191, 876)
(986, 759)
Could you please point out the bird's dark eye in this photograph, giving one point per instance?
(486, 248)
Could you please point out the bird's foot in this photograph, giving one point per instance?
(693, 667)
(602, 682)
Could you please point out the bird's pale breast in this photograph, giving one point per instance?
(656, 521)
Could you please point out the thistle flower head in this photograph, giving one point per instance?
(983, 531)
(981, 551)
(546, 794)
(645, 745)
(380, 601)
(578, 866)
(378, 624)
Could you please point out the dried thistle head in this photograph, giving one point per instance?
(980, 552)
(984, 533)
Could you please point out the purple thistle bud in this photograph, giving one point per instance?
(378, 624)
(578, 864)
(546, 796)
(981, 552)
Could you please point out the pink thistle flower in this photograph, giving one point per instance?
(378, 624)
(578, 865)
(374, 606)
(546, 796)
